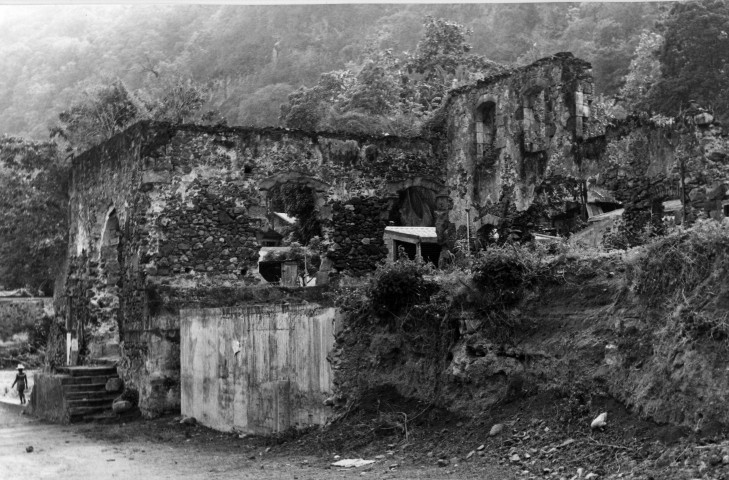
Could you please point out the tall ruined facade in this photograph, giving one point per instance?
(165, 217)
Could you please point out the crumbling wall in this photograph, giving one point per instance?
(186, 207)
(537, 116)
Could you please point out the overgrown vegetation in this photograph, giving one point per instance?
(685, 274)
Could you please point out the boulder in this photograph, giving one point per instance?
(716, 192)
(600, 421)
(121, 406)
(189, 421)
(114, 384)
(496, 429)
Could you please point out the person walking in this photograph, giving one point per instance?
(21, 379)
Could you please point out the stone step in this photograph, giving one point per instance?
(77, 413)
(67, 380)
(92, 371)
(84, 387)
(91, 394)
(90, 402)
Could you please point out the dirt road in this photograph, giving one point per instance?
(163, 450)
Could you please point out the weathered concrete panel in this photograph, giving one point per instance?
(47, 400)
(258, 369)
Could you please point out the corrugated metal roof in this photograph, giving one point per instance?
(423, 233)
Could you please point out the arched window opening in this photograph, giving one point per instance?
(486, 130)
(110, 251)
(293, 211)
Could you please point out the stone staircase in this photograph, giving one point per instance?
(84, 392)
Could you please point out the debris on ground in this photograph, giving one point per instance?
(352, 463)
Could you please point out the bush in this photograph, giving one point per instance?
(505, 272)
(682, 260)
(399, 285)
(685, 272)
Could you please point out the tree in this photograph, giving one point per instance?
(33, 224)
(105, 111)
(694, 58)
(175, 99)
(388, 93)
(644, 71)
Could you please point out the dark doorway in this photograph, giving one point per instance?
(430, 252)
(409, 249)
(271, 271)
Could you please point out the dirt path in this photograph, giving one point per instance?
(150, 450)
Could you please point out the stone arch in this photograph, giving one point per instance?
(485, 125)
(317, 210)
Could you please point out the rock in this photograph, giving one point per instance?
(442, 462)
(716, 192)
(600, 421)
(470, 454)
(191, 421)
(703, 118)
(515, 458)
(114, 384)
(481, 447)
(496, 429)
(121, 406)
(29, 449)
(591, 476)
(725, 459)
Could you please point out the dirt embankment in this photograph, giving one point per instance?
(644, 328)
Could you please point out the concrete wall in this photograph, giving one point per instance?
(259, 369)
(47, 400)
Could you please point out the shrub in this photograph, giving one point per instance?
(505, 272)
(399, 285)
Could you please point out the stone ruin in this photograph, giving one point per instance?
(165, 217)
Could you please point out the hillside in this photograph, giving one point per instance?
(252, 57)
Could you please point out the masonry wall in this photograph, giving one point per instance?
(165, 217)
(538, 118)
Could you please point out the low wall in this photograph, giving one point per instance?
(258, 369)
(47, 400)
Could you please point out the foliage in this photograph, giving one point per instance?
(105, 111)
(505, 272)
(177, 100)
(17, 318)
(682, 272)
(387, 93)
(298, 201)
(399, 285)
(644, 70)
(694, 58)
(308, 259)
(33, 199)
(238, 52)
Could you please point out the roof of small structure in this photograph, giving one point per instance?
(286, 218)
(264, 252)
(424, 234)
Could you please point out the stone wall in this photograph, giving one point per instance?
(510, 134)
(165, 215)
(162, 213)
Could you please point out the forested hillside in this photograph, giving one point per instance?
(244, 61)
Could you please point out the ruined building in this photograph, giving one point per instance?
(182, 218)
